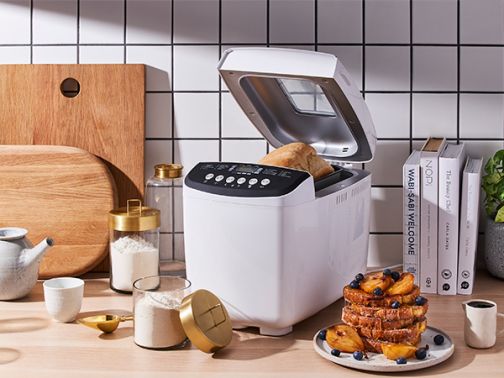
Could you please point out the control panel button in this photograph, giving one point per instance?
(209, 176)
(230, 179)
(253, 181)
(219, 178)
(265, 182)
(241, 180)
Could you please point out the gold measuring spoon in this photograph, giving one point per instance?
(105, 323)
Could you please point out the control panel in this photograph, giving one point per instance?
(244, 180)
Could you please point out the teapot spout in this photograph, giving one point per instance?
(35, 254)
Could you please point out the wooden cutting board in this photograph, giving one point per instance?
(105, 116)
(60, 192)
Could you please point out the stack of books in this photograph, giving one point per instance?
(441, 188)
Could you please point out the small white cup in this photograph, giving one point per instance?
(63, 298)
(480, 324)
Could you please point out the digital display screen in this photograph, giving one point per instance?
(246, 169)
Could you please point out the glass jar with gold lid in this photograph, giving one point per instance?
(134, 244)
(163, 191)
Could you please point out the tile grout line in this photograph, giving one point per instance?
(172, 115)
(78, 31)
(363, 165)
(31, 31)
(125, 9)
(220, 82)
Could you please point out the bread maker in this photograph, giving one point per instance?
(272, 243)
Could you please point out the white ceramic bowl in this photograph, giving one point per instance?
(63, 298)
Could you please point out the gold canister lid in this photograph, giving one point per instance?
(206, 321)
(134, 217)
(163, 171)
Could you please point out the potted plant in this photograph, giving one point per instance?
(493, 185)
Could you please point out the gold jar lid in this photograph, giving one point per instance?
(163, 171)
(134, 218)
(206, 321)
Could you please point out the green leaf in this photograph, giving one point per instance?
(499, 217)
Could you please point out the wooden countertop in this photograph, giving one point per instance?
(31, 344)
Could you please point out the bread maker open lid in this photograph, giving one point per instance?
(301, 96)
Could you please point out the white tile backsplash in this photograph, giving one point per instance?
(158, 115)
(434, 68)
(195, 68)
(210, 125)
(435, 21)
(101, 54)
(196, 115)
(55, 54)
(434, 115)
(292, 21)
(148, 21)
(158, 65)
(477, 60)
(387, 68)
(247, 151)
(482, 116)
(482, 21)
(244, 21)
(54, 21)
(196, 21)
(387, 21)
(390, 113)
(15, 21)
(340, 21)
(101, 21)
(14, 54)
(191, 152)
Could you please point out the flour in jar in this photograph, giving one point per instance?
(157, 321)
(132, 257)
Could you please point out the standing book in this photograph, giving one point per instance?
(451, 162)
(469, 218)
(429, 168)
(411, 215)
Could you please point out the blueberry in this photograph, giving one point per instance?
(387, 272)
(419, 301)
(378, 292)
(421, 353)
(322, 334)
(359, 277)
(401, 361)
(396, 275)
(335, 352)
(395, 305)
(354, 284)
(358, 355)
(438, 339)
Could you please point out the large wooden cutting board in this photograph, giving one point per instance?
(60, 192)
(106, 117)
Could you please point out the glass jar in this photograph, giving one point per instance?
(160, 194)
(134, 244)
(157, 301)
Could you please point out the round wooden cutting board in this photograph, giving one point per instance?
(60, 192)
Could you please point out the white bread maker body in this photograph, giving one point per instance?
(279, 247)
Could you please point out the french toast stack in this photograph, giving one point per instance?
(386, 310)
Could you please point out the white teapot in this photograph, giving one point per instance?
(19, 262)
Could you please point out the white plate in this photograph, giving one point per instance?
(377, 362)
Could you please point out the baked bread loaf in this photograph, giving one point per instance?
(298, 156)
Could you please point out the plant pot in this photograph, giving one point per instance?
(494, 248)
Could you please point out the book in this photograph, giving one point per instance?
(429, 167)
(411, 215)
(451, 162)
(469, 218)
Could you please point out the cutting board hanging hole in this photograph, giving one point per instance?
(70, 87)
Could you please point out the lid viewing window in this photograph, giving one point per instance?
(307, 97)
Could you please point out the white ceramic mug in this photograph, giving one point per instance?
(63, 298)
(480, 324)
